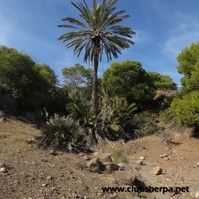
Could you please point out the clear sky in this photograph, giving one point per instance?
(163, 28)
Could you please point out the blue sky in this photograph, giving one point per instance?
(163, 28)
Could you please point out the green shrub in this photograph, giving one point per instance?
(115, 118)
(186, 109)
(162, 82)
(188, 61)
(145, 124)
(32, 82)
(129, 80)
(59, 132)
(120, 156)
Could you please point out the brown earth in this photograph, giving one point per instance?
(36, 174)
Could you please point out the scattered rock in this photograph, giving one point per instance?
(197, 164)
(95, 165)
(121, 165)
(110, 166)
(194, 191)
(44, 184)
(164, 155)
(141, 158)
(157, 170)
(3, 119)
(81, 154)
(49, 178)
(30, 141)
(125, 177)
(53, 152)
(4, 168)
(140, 162)
(96, 154)
(113, 196)
(86, 157)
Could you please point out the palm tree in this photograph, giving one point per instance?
(97, 32)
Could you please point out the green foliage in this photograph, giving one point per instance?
(78, 81)
(129, 80)
(79, 110)
(7, 98)
(189, 67)
(77, 76)
(120, 156)
(162, 82)
(144, 124)
(98, 31)
(186, 109)
(115, 118)
(34, 84)
(59, 132)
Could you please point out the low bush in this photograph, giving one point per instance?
(145, 124)
(59, 132)
(186, 109)
(120, 156)
(115, 118)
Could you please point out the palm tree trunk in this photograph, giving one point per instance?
(94, 101)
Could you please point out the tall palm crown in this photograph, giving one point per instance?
(99, 30)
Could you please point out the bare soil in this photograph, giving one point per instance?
(37, 174)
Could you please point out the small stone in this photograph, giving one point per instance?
(157, 170)
(44, 185)
(197, 164)
(3, 170)
(86, 157)
(164, 155)
(140, 162)
(30, 141)
(49, 178)
(100, 194)
(3, 119)
(113, 196)
(110, 166)
(121, 165)
(53, 188)
(53, 152)
(141, 158)
(16, 182)
(194, 191)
